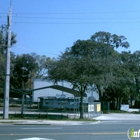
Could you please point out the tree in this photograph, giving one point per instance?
(104, 57)
(94, 62)
(111, 39)
(122, 88)
(75, 66)
(3, 45)
(109, 59)
(134, 66)
(23, 67)
(4, 38)
(85, 64)
(42, 61)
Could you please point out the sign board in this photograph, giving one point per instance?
(124, 107)
(90, 108)
(98, 107)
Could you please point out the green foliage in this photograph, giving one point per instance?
(75, 66)
(96, 62)
(93, 62)
(110, 39)
(23, 67)
(3, 45)
(42, 61)
(4, 38)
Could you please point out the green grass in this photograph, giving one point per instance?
(18, 117)
(84, 119)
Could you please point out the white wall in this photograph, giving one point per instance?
(38, 83)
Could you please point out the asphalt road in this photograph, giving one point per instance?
(106, 130)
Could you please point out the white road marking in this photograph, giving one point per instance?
(35, 138)
(44, 128)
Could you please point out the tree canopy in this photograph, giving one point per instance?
(96, 62)
(23, 67)
(86, 64)
(3, 45)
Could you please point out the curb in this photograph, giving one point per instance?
(48, 123)
(31, 124)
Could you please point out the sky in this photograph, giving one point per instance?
(48, 27)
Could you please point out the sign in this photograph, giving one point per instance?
(98, 107)
(90, 108)
(125, 107)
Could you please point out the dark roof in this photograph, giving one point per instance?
(61, 88)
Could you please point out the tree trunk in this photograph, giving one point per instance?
(131, 99)
(81, 106)
(119, 102)
(100, 94)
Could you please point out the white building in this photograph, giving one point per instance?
(39, 83)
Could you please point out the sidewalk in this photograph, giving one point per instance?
(46, 122)
(118, 116)
(103, 117)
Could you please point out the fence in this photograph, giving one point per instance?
(91, 110)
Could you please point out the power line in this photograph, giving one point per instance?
(73, 13)
(26, 22)
(76, 18)
(78, 13)
(73, 19)
(19, 16)
(38, 17)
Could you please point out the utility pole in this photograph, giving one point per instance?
(7, 71)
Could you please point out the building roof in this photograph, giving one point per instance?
(61, 88)
(56, 87)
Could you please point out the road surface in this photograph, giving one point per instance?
(106, 130)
